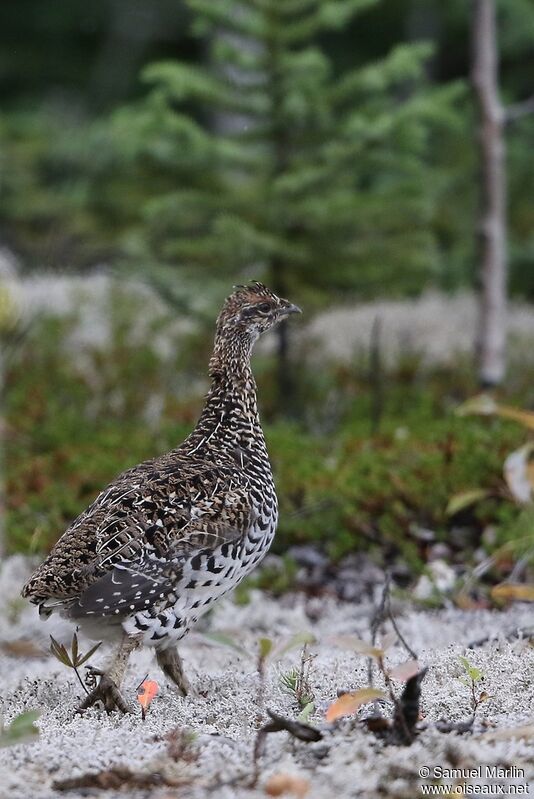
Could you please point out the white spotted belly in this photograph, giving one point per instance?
(205, 578)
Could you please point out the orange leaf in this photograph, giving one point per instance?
(526, 418)
(404, 671)
(146, 693)
(349, 703)
(279, 784)
(511, 592)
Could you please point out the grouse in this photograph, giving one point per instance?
(170, 536)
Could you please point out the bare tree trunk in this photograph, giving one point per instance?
(3, 543)
(491, 333)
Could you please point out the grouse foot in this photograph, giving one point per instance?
(108, 689)
(106, 692)
(171, 665)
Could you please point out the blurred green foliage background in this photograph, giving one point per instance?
(326, 147)
(114, 145)
(77, 416)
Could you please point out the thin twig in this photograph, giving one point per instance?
(380, 613)
(80, 680)
(515, 634)
(384, 611)
(376, 621)
(401, 638)
(519, 110)
(399, 711)
(520, 566)
(260, 734)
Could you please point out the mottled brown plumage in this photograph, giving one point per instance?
(168, 537)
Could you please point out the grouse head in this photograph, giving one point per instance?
(252, 310)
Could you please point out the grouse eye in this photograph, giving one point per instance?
(264, 307)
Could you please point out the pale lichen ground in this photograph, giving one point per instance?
(349, 762)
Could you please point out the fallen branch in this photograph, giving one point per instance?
(407, 710)
(401, 730)
(525, 633)
(116, 778)
(461, 727)
(297, 729)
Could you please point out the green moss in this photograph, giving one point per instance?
(74, 423)
(354, 492)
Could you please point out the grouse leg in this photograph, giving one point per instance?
(171, 665)
(108, 689)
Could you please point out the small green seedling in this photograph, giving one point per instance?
(269, 651)
(296, 682)
(75, 659)
(473, 676)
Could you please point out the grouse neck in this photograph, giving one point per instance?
(230, 418)
(230, 360)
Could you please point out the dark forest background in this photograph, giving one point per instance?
(67, 68)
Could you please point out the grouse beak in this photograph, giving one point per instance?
(289, 309)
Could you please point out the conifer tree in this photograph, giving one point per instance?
(267, 163)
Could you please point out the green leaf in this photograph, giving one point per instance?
(464, 499)
(289, 680)
(265, 646)
(21, 728)
(59, 651)
(474, 674)
(307, 711)
(227, 641)
(285, 646)
(355, 644)
(84, 658)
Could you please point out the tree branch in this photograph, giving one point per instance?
(519, 110)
